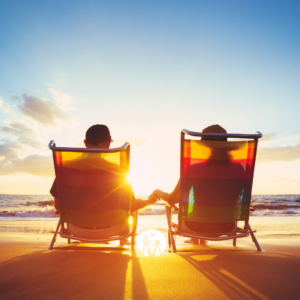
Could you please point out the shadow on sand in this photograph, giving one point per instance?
(76, 272)
(73, 272)
(247, 274)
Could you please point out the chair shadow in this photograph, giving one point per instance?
(246, 274)
(73, 272)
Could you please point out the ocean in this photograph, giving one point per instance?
(33, 207)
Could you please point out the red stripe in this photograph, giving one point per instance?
(89, 178)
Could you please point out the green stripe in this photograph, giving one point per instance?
(209, 214)
(109, 218)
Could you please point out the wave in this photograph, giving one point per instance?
(44, 209)
(50, 212)
(273, 206)
(47, 212)
(40, 203)
(149, 211)
(267, 213)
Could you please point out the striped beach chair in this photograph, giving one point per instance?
(215, 187)
(93, 191)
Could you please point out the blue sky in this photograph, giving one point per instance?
(148, 70)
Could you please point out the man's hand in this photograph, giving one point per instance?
(153, 198)
(165, 197)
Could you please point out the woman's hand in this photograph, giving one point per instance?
(153, 198)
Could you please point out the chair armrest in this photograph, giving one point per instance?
(171, 205)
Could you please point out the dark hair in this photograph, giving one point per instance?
(97, 134)
(214, 129)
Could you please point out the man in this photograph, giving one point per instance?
(205, 193)
(98, 136)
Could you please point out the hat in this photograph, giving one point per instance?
(214, 129)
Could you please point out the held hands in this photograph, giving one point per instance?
(153, 198)
(160, 195)
(165, 197)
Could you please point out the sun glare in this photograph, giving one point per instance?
(128, 177)
(140, 181)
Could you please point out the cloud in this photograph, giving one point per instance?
(15, 99)
(62, 99)
(295, 132)
(35, 165)
(3, 106)
(268, 137)
(45, 112)
(20, 148)
(11, 164)
(287, 153)
(9, 151)
(21, 133)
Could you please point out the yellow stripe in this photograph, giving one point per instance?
(80, 160)
(203, 149)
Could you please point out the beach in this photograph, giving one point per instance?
(28, 270)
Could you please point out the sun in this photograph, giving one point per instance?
(140, 181)
(129, 177)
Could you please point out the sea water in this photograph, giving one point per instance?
(32, 207)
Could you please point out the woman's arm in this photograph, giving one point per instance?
(56, 204)
(139, 203)
(172, 198)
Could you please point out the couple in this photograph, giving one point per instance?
(98, 136)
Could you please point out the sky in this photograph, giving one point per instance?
(148, 69)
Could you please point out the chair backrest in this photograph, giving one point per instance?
(216, 178)
(93, 190)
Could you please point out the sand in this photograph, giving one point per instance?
(215, 271)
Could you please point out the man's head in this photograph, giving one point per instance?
(97, 136)
(214, 129)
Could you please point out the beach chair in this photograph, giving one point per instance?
(93, 191)
(215, 187)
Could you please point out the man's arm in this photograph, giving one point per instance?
(139, 203)
(172, 198)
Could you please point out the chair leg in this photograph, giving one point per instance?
(54, 236)
(168, 213)
(254, 239)
(234, 242)
(173, 243)
(134, 227)
(133, 243)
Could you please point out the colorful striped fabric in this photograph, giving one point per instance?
(216, 183)
(92, 188)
